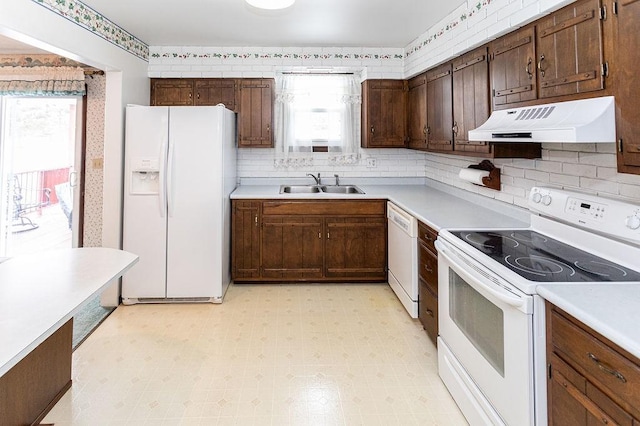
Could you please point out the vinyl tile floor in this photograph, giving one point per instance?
(323, 354)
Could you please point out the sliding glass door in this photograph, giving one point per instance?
(40, 150)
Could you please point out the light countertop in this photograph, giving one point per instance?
(41, 292)
(612, 310)
(433, 206)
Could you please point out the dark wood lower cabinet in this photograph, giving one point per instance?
(428, 280)
(245, 245)
(30, 389)
(590, 381)
(292, 247)
(309, 241)
(356, 248)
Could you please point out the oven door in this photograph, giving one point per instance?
(486, 330)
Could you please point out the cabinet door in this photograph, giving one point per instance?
(470, 98)
(575, 401)
(627, 86)
(569, 45)
(428, 309)
(171, 92)
(245, 239)
(417, 112)
(383, 114)
(292, 247)
(255, 118)
(214, 91)
(513, 65)
(440, 108)
(356, 248)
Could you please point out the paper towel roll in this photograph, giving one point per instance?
(473, 175)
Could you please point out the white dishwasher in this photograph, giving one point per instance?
(403, 257)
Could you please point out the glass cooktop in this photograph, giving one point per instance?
(537, 257)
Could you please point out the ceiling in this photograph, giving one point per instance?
(329, 23)
(9, 46)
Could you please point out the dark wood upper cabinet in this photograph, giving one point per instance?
(171, 91)
(417, 112)
(627, 85)
(513, 67)
(384, 114)
(471, 103)
(570, 50)
(255, 117)
(214, 91)
(440, 108)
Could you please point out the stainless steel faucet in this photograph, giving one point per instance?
(337, 179)
(317, 179)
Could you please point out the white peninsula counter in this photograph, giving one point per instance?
(39, 295)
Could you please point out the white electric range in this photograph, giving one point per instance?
(491, 347)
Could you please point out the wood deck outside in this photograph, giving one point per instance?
(52, 233)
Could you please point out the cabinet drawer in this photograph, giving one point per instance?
(427, 236)
(577, 402)
(428, 309)
(428, 267)
(615, 374)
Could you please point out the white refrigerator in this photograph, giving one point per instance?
(180, 168)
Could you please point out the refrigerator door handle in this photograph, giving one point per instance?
(162, 202)
(170, 161)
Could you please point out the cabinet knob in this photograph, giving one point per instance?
(430, 312)
(268, 128)
(424, 130)
(372, 130)
(455, 128)
(429, 270)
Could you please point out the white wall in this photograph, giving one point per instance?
(36, 25)
(127, 82)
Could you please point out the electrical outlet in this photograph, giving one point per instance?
(371, 162)
(97, 163)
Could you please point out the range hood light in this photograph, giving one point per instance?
(271, 4)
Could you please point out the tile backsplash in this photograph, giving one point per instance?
(583, 167)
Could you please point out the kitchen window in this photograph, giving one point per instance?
(317, 113)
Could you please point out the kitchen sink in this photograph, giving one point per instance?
(299, 189)
(342, 189)
(319, 189)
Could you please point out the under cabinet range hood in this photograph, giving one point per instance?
(583, 121)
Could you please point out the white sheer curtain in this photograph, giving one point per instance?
(298, 92)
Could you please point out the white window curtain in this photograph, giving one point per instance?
(42, 81)
(295, 92)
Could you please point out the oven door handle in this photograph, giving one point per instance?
(478, 280)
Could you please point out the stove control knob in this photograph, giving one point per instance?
(633, 222)
(546, 200)
(536, 197)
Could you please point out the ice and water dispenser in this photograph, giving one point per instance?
(145, 176)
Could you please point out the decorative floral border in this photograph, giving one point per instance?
(276, 55)
(416, 46)
(89, 19)
(37, 61)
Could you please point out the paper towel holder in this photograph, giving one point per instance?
(493, 180)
